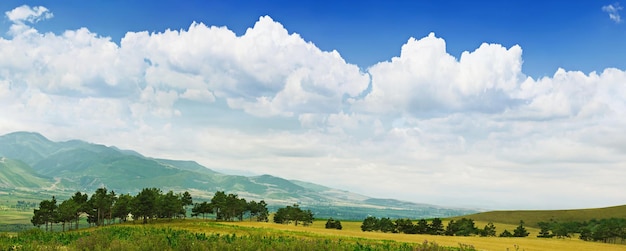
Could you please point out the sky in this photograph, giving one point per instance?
(483, 104)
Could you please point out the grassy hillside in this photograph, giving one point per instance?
(532, 217)
(17, 174)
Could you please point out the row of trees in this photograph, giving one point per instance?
(228, 207)
(611, 230)
(462, 227)
(295, 214)
(105, 206)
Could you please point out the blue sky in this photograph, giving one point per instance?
(490, 104)
(577, 35)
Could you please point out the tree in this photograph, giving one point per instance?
(506, 233)
(436, 227)
(370, 224)
(258, 210)
(218, 202)
(38, 218)
(122, 207)
(462, 227)
(144, 204)
(405, 226)
(520, 231)
(202, 208)
(101, 204)
(46, 214)
(81, 201)
(186, 200)
(544, 231)
(333, 224)
(422, 226)
(488, 230)
(169, 205)
(67, 212)
(385, 225)
(293, 213)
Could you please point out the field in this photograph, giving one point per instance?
(532, 217)
(245, 236)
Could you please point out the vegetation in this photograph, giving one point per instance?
(165, 238)
(294, 214)
(611, 230)
(104, 207)
(533, 217)
(229, 206)
(333, 224)
(462, 227)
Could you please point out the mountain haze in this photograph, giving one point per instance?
(29, 161)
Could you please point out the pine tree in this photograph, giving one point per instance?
(520, 231)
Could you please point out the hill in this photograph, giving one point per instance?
(15, 173)
(532, 217)
(34, 162)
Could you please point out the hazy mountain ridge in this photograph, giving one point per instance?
(34, 162)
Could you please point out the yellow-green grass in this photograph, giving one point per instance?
(532, 217)
(353, 230)
(11, 216)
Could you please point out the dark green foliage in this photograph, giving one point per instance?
(422, 226)
(295, 214)
(405, 226)
(333, 224)
(544, 231)
(46, 214)
(462, 227)
(488, 230)
(436, 227)
(144, 205)
(123, 207)
(506, 233)
(520, 231)
(203, 209)
(385, 225)
(258, 210)
(370, 224)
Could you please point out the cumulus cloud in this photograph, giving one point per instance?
(425, 79)
(21, 16)
(28, 14)
(475, 123)
(613, 11)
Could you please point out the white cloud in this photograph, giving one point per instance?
(425, 79)
(613, 11)
(433, 128)
(28, 14)
(24, 14)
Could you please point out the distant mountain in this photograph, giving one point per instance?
(31, 161)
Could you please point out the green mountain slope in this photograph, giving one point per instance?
(532, 217)
(17, 174)
(78, 165)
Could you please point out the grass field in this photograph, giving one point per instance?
(532, 217)
(352, 229)
(351, 233)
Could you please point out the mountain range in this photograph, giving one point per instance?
(29, 162)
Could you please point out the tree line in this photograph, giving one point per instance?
(612, 230)
(462, 227)
(105, 207)
(229, 207)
